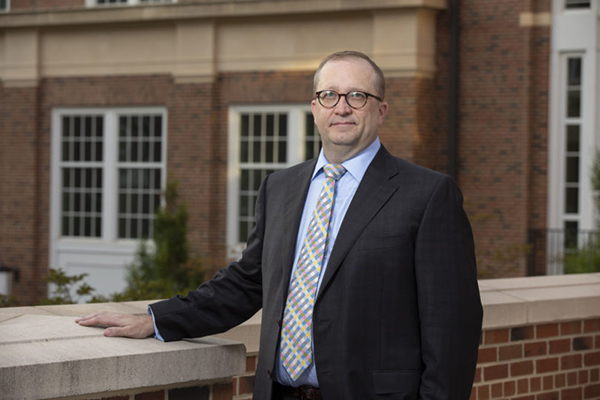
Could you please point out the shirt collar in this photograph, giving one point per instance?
(357, 165)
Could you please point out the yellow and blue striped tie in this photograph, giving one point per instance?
(296, 330)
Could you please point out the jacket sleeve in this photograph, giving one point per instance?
(230, 298)
(448, 296)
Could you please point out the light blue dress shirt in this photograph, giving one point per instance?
(345, 190)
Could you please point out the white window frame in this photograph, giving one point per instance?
(574, 34)
(295, 154)
(109, 246)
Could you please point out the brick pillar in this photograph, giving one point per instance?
(20, 190)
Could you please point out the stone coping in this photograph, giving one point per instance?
(44, 351)
(45, 354)
(534, 300)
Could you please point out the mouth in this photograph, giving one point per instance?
(342, 123)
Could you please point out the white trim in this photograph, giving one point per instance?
(295, 154)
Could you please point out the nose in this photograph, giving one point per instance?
(342, 107)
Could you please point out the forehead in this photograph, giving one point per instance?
(346, 74)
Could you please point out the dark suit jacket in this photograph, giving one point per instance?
(398, 315)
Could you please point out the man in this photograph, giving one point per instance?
(375, 299)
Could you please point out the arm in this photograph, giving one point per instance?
(230, 298)
(448, 296)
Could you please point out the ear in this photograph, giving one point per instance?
(383, 110)
(313, 108)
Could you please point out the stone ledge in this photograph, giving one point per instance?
(532, 300)
(46, 355)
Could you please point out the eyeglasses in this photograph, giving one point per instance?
(330, 98)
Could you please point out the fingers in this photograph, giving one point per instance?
(120, 325)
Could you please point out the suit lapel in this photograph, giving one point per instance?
(373, 192)
(292, 214)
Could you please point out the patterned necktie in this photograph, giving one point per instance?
(296, 330)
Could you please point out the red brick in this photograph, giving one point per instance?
(477, 375)
(548, 396)
(560, 381)
(521, 333)
(509, 388)
(483, 392)
(535, 384)
(560, 346)
(521, 368)
(116, 398)
(591, 392)
(496, 336)
(584, 377)
(570, 328)
(548, 382)
(246, 385)
(592, 359)
(597, 340)
(570, 361)
(496, 390)
(595, 375)
(531, 397)
(487, 355)
(522, 386)
(583, 343)
(495, 372)
(546, 330)
(251, 364)
(571, 378)
(571, 394)
(546, 365)
(591, 325)
(510, 352)
(535, 349)
(222, 391)
(158, 395)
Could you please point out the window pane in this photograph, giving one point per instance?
(573, 169)
(571, 233)
(574, 4)
(573, 138)
(572, 200)
(574, 103)
(574, 71)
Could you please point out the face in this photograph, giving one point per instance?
(346, 131)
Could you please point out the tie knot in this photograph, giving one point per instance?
(335, 171)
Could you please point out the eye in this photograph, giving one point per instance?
(357, 96)
(328, 95)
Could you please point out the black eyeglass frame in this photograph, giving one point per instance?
(367, 95)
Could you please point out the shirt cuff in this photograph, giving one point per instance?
(156, 332)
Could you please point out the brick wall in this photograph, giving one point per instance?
(503, 129)
(20, 234)
(550, 361)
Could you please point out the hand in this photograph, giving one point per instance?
(126, 325)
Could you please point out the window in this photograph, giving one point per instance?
(88, 177)
(577, 4)
(262, 141)
(572, 135)
(4, 5)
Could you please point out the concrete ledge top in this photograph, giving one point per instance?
(531, 300)
(45, 354)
